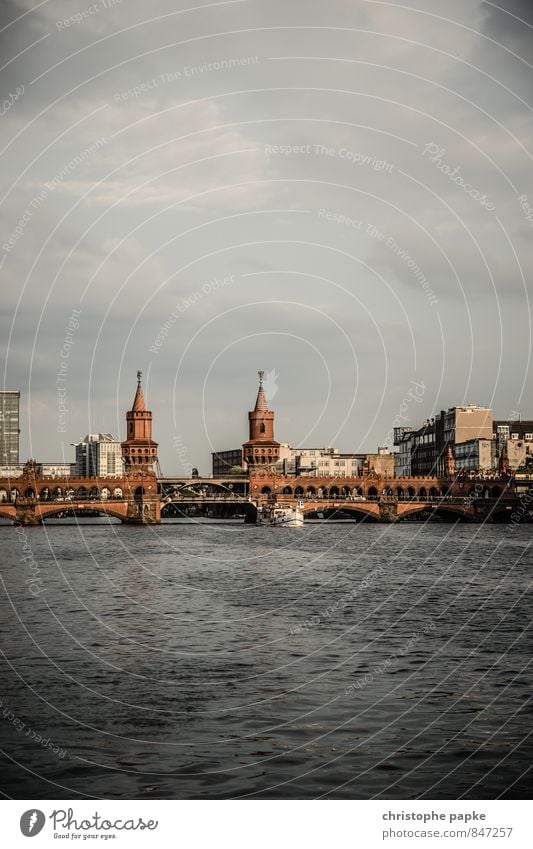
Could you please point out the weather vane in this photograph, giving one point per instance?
(261, 375)
(139, 376)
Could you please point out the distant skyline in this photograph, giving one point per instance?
(340, 194)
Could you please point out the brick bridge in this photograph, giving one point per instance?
(138, 497)
(383, 499)
(30, 498)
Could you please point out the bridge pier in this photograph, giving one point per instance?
(143, 512)
(26, 515)
(388, 510)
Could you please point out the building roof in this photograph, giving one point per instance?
(99, 437)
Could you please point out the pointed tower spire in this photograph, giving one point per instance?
(261, 405)
(138, 402)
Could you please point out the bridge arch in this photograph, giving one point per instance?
(359, 511)
(50, 512)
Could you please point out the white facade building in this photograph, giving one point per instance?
(99, 455)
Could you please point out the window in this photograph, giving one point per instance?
(514, 435)
(262, 427)
(528, 437)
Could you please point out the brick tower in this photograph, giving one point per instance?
(449, 463)
(261, 448)
(139, 449)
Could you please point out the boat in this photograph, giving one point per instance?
(275, 514)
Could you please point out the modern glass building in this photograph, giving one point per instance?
(9, 427)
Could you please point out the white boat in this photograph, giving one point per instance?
(275, 514)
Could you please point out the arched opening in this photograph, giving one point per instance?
(262, 427)
(3, 495)
(334, 492)
(399, 492)
(82, 492)
(15, 493)
(105, 493)
(299, 490)
(310, 491)
(139, 492)
(57, 493)
(30, 493)
(357, 490)
(387, 490)
(94, 493)
(411, 492)
(422, 492)
(372, 492)
(44, 494)
(117, 492)
(433, 492)
(287, 490)
(345, 491)
(266, 490)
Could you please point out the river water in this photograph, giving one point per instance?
(219, 660)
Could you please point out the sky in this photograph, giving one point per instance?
(339, 194)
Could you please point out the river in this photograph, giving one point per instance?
(220, 660)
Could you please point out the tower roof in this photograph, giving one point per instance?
(138, 404)
(261, 405)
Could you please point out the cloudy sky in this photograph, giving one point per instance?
(337, 193)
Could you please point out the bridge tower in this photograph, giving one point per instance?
(139, 449)
(503, 463)
(449, 463)
(261, 448)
